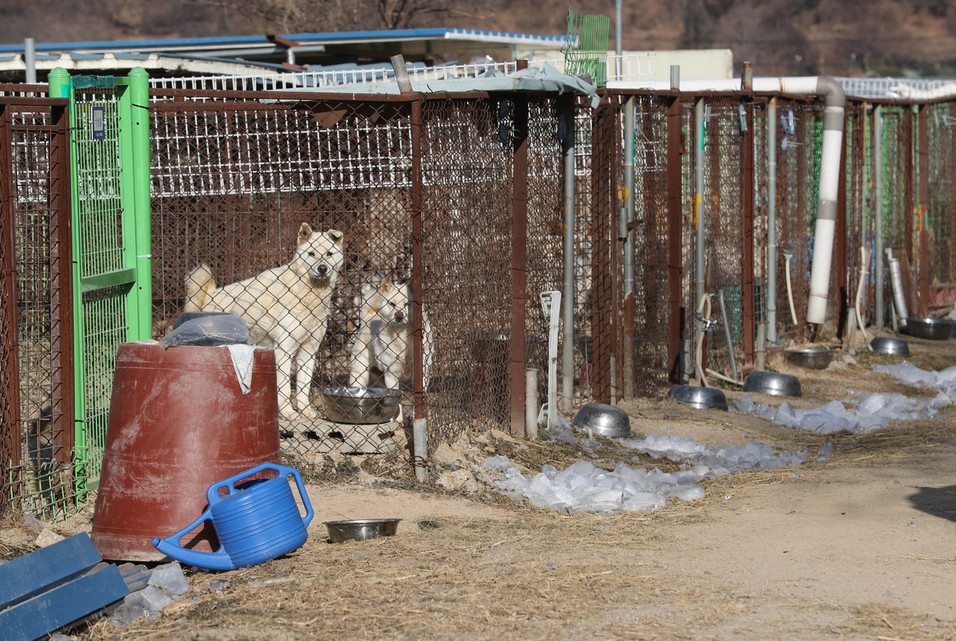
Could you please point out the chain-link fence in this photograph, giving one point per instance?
(394, 249)
(36, 376)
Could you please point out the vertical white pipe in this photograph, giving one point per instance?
(827, 199)
(617, 37)
(772, 221)
(878, 210)
(531, 403)
(401, 73)
(30, 60)
(420, 447)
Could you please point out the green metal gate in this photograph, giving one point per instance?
(109, 158)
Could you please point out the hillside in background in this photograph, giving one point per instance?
(780, 37)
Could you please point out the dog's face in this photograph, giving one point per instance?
(320, 254)
(391, 303)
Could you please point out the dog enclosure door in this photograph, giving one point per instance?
(36, 381)
(109, 155)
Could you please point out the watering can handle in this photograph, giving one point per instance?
(213, 496)
(169, 546)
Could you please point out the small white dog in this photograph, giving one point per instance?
(384, 338)
(286, 308)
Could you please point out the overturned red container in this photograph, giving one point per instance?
(179, 422)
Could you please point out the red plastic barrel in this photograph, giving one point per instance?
(178, 423)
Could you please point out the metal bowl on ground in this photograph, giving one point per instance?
(361, 405)
(890, 345)
(602, 419)
(702, 398)
(936, 329)
(361, 529)
(773, 383)
(809, 357)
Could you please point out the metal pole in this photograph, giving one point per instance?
(30, 60)
(772, 221)
(519, 265)
(617, 37)
(700, 270)
(878, 210)
(137, 107)
(401, 73)
(531, 407)
(628, 358)
(567, 296)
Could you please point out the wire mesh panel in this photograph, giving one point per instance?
(99, 253)
(545, 245)
(798, 172)
(38, 401)
(897, 185)
(651, 318)
(848, 267)
(942, 194)
(295, 216)
(723, 205)
(467, 198)
(583, 251)
(586, 52)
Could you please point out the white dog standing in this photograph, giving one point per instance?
(384, 339)
(286, 308)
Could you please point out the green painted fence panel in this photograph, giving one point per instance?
(109, 155)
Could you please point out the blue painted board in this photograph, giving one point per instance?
(43, 613)
(37, 571)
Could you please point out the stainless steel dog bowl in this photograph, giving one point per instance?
(602, 419)
(772, 383)
(702, 398)
(809, 357)
(936, 329)
(361, 529)
(890, 345)
(361, 405)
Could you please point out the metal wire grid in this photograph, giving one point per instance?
(38, 433)
(583, 247)
(545, 243)
(942, 194)
(467, 240)
(722, 205)
(898, 193)
(651, 317)
(341, 166)
(847, 268)
(10, 438)
(798, 170)
(271, 150)
(98, 251)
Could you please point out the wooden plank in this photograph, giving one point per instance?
(35, 572)
(64, 604)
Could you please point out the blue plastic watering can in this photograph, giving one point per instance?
(254, 521)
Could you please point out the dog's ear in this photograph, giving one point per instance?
(336, 236)
(305, 233)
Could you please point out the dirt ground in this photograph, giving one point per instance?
(862, 546)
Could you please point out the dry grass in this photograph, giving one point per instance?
(536, 574)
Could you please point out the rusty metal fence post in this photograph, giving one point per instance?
(519, 266)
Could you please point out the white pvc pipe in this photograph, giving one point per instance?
(829, 162)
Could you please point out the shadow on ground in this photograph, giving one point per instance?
(938, 501)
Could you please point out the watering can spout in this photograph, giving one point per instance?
(218, 560)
